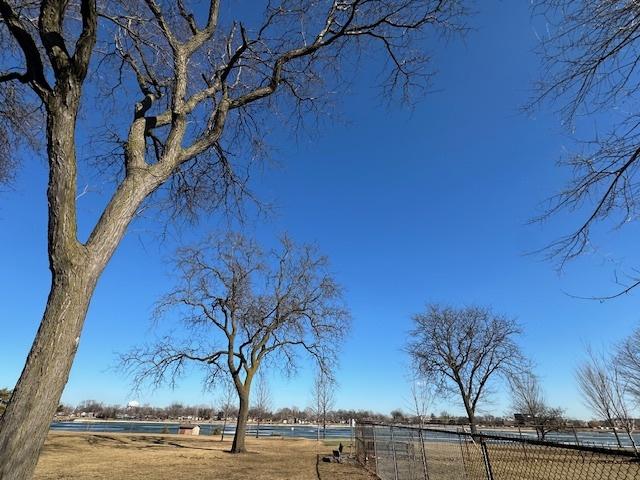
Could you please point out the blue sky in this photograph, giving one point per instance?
(428, 204)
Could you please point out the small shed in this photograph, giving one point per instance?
(189, 430)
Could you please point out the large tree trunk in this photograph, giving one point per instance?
(241, 427)
(75, 269)
(472, 424)
(471, 414)
(26, 421)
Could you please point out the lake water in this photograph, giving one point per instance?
(604, 438)
(267, 430)
(589, 437)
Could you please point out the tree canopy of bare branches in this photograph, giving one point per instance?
(591, 52)
(604, 390)
(462, 351)
(242, 307)
(527, 397)
(169, 88)
(627, 360)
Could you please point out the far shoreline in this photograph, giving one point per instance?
(199, 422)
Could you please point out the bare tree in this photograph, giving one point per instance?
(591, 56)
(226, 402)
(176, 90)
(622, 405)
(627, 359)
(242, 306)
(604, 391)
(527, 398)
(421, 398)
(262, 401)
(462, 351)
(323, 394)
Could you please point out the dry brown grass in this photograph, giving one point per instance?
(72, 456)
(453, 461)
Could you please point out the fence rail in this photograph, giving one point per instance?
(409, 453)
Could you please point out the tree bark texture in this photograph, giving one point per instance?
(241, 427)
(75, 269)
(22, 431)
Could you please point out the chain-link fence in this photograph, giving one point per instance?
(408, 453)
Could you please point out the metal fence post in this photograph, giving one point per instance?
(393, 448)
(424, 456)
(375, 447)
(485, 456)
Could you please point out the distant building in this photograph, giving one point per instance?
(189, 430)
(523, 418)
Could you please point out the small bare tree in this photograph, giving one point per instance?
(622, 405)
(527, 398)
(323, 394)
(262, 401)
(226, 403)
(462, 351)
(421, 398)
(605, 392)
(242, 306)
(590, 56)
(177, 85)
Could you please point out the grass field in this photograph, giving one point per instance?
(71, 456)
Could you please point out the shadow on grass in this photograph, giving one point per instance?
(248, 452)
(55, 448)
(102, 439)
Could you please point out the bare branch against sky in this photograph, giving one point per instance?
(177, 90)
(590, 53)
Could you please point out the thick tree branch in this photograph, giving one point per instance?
(87, 39)
(50, 25)
(35, 68)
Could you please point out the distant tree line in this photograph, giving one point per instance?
(176, 411)
(180, 411)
